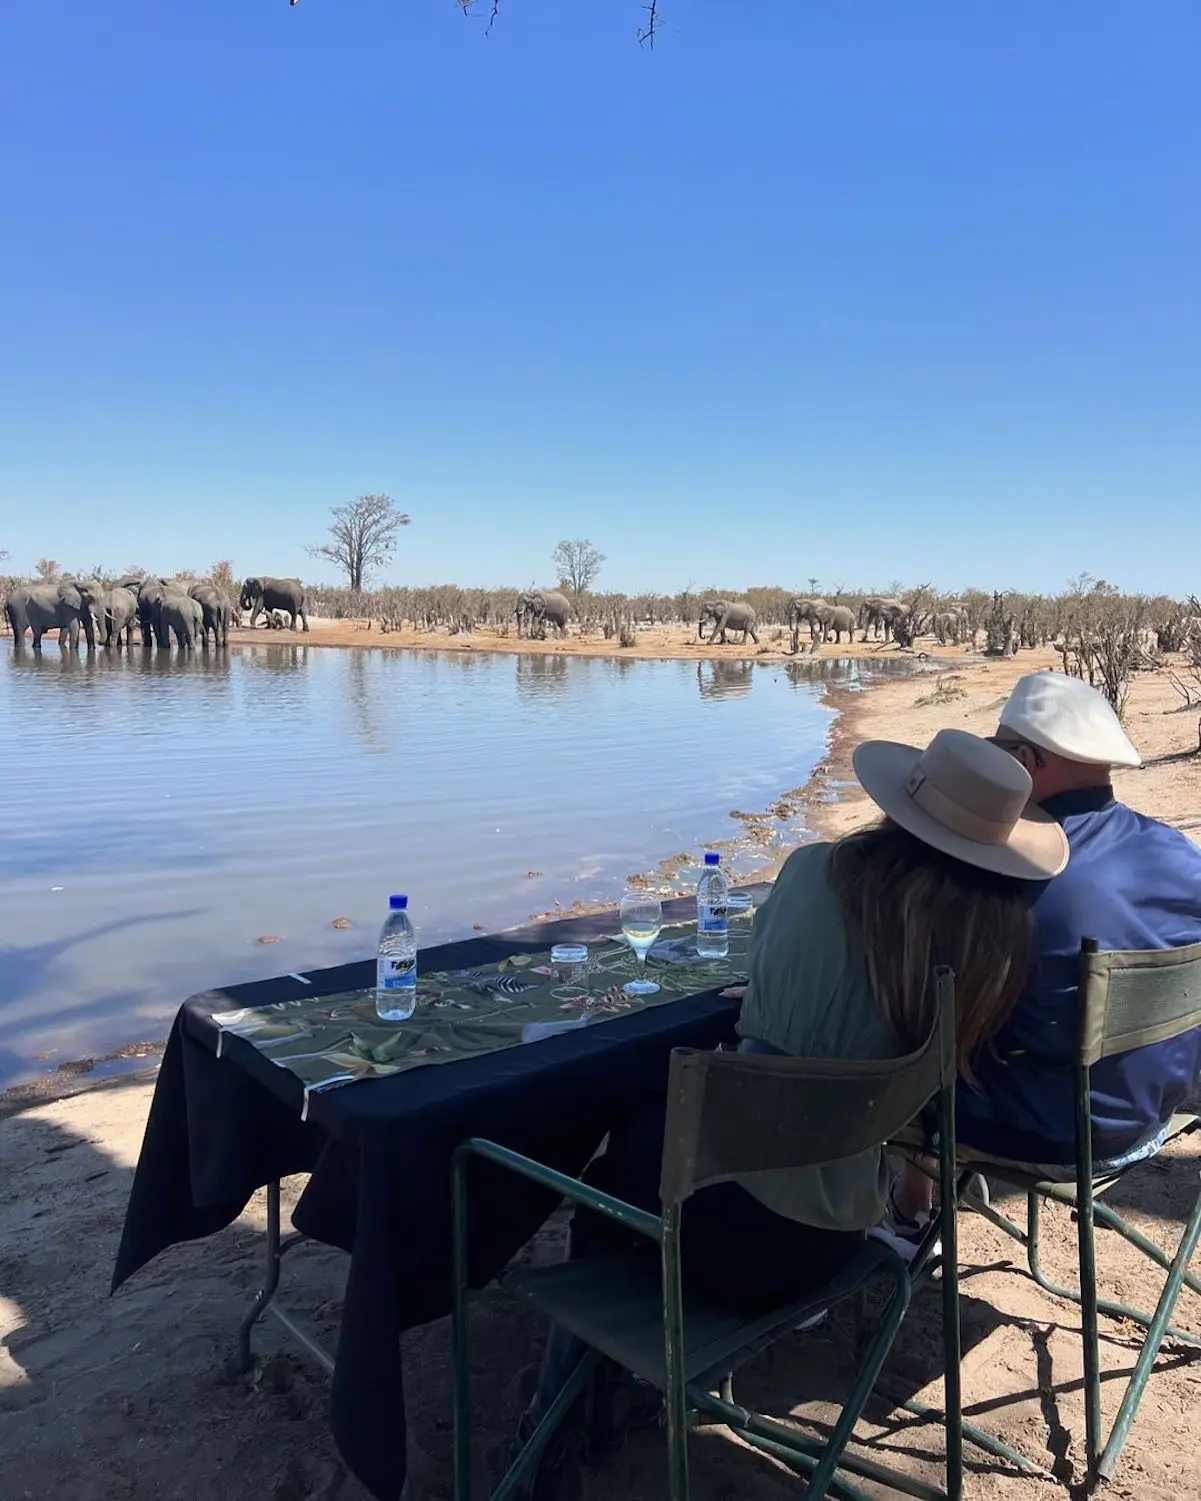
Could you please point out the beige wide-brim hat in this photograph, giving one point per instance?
(966, 797)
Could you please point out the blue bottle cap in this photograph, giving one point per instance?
(398, 903)
(712, 859)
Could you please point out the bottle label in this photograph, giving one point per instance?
(396, 972)
(713, 919)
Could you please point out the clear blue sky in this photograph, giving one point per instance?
(863, 290)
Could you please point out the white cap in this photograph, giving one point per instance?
(1062, 715)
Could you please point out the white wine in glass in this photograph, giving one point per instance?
(641, 922)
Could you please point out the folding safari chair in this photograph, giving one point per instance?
(1127, 1000)
(731, 1113)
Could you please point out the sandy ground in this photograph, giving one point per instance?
(131, 1396)
(657, 643)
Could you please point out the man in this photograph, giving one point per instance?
(1131, 883)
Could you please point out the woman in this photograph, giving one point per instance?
(840, 966)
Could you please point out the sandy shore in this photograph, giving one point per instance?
(129, 1397)
(657, 644)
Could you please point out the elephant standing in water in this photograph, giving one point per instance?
(116, 611)
(181, 616)
(726, 615)
(63, 607)
(538, 606)
(274, 594)
(217, 611)
(150, 599)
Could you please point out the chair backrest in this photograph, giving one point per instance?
(1133, 998)
(734, 1113)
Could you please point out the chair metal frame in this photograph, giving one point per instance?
(827, 1466)
(1105, 1032)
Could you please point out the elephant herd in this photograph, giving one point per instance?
(723, 615)
(159, 609)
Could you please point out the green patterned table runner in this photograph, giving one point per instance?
(337, 1039)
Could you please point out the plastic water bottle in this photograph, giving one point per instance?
(396, 965)
(712, 914)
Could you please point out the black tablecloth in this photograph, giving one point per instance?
(379, 1153)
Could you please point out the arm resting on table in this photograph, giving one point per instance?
(640, 1220)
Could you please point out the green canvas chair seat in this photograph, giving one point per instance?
(615, 1303)
(1128, 1000)
(730, 1114)
(1064, 1192)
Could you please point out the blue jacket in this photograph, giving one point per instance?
(1131, 883)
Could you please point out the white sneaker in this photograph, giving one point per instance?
(901, 1234)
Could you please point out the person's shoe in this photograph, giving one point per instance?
(902, 1234)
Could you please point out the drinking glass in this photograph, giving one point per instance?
(641, 921)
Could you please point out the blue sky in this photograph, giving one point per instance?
(866, 291)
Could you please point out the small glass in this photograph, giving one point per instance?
(740, 906)
(569, 962)
(641, 922)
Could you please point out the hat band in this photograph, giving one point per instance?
(954, 816)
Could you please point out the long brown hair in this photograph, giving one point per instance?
(914, 908)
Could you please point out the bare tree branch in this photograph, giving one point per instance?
(646, 34)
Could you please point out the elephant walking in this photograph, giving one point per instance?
(815, 611)
(838, 619)
(217, 613)
(538, 606)
(726, 615)
(65, 607)
(882, 615)
(117, 611)
(274, 594)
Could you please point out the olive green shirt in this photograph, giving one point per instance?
(808, 995)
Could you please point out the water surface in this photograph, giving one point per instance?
(159, 814)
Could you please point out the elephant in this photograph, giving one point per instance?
(217, 611)
(274, 594)
(948, 625)
(537, 606)
(839, 618)
(882, 615)
(116, 611)
(64, 606)
(815, 611)
(733, 615)
(182, 616)
(150, 599)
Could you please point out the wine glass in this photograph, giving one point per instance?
(641, 921)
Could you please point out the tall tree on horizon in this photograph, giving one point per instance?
(363, 536)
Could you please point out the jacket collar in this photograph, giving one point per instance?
(1080, 800)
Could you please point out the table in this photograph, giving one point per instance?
(379, 1155)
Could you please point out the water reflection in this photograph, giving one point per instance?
(283, 658)
(139, 661)
(724, 679)
(366, 706)
(541, 676)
